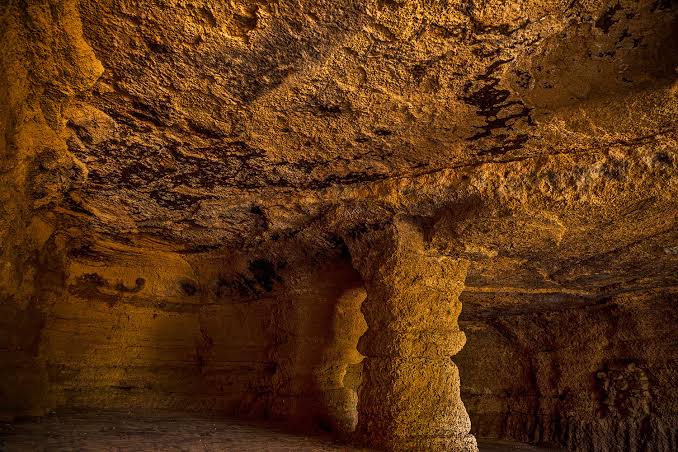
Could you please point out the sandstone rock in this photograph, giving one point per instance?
(277, 209)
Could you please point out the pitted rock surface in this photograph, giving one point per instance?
(194, 196)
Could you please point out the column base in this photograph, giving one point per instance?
(458, 443)
(413, 404)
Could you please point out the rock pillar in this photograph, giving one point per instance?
(409, 398)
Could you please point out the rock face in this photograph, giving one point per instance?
(591, 378)
(276, 209)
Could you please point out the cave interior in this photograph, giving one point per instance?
(401, 224)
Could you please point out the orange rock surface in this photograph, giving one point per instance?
(277, 209)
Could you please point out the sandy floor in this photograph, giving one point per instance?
(116, 431)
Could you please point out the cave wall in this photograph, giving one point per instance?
(127, 327)
(316, 332)
(35, 171)
(596, 378)
(139, 328)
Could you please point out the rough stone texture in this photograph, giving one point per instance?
(409, 398)
(185, 188)
(593, 378)
(236, 334)
(316, 329)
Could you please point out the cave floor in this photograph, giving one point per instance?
(123, 431)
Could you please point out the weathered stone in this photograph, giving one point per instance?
(196, 198)
(409, 398)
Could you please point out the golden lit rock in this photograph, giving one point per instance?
(269, 209)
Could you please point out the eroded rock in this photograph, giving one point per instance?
(204, 207)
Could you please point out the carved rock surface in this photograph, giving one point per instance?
(197, 198)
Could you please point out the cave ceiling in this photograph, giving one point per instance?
(536, 138)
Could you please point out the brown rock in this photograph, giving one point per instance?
(277, 209)
(409, 398)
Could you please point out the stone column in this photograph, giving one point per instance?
(409, 397)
